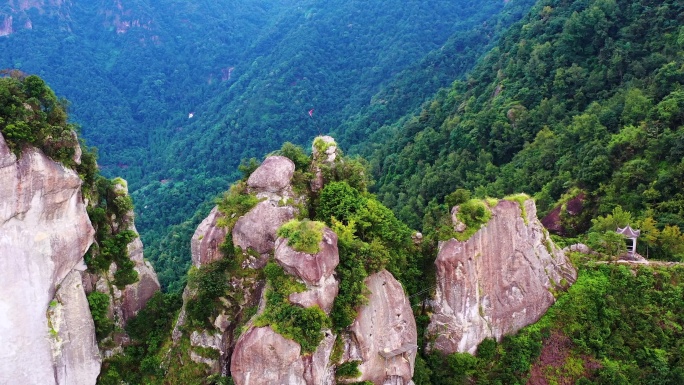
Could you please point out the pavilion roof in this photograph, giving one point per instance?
(629, 232)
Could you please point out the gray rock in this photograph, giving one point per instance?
(257, 229)
(207, 239)
(385, 325)
(311, 268)
(74, 347)
(272, 176)
(498, 281)
(44, 233)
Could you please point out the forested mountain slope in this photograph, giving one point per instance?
(174, 94)
(581, 97)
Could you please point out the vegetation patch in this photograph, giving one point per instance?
(322, 146)
(474, 214)
(210, 283)
(109, 215)
(521, 199)
(31, 115)
(302, 325)
(348, 370)
(234, 204)
(99, 309)
(304, 236)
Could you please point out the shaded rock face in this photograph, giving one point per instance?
(74, 347)
(136, 295)
(384, 325)
(498, 281)
(44, 233)
(573, 208)
(127, 302)
(206, 240)
(257, 229)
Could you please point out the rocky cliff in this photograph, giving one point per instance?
(501, 279)
(125, 301)
(248, 342)
(45, 324)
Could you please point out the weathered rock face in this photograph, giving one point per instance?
(263, 356)
(383, 336)
(257, 229)
(44, 233)
(272, 176)
(324, 151)
(127, 302)
(498, 281)
(322, 294)
(330, 146)
(206, 240)
(316, 270)
(311, 268)
(72, 326)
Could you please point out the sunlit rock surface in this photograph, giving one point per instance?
(498, 281)
(44, 233)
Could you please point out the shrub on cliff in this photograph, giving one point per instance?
(31, 115)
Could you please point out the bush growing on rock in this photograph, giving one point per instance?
(303, 235)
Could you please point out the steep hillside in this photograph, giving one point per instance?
(175, 94)
(580, 99)
(74, 272)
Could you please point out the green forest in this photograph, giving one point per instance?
(248, 72)
(578, 104)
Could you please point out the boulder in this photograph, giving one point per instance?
(257, 229)
(205, 242)
(263, 356)
(272, 176)
(321, 295)
(496, 282)
(384, 336)
(311, 268)
(44, 233)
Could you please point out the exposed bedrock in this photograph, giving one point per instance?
(44, 233)
(498, 281)
(383, 336)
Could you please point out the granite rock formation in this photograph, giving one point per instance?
(498, 281)
(384, 335)
(315, 270)
(207, 239)
(44, 233)
(257, 229)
